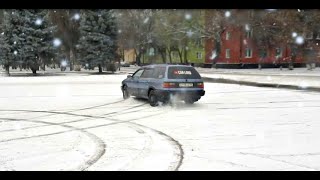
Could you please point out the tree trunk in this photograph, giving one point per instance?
(7, 67)
(34, 71)
(163, 55)
(170, 58)
(100, 68)
(68, 58)
(122, 54)
(73, 59)
(180, 56)
(186, 57)
(162, 52)
(138, 56)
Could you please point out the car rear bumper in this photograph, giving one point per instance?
(195, 94)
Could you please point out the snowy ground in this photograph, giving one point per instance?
(82, 123)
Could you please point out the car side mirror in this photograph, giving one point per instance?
(129, 76)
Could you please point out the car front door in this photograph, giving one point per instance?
(133, 84)
(144, 82)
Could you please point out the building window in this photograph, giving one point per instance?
(228, 36)
(199, 55)
(278, 52)
(228, 53)
(248, 53)
(249, 34)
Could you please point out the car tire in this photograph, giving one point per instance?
(153, 99)
(125, 92)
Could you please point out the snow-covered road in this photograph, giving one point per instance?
(82, 123)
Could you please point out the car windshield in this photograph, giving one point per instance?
(181, 72)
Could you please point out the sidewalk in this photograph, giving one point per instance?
(266, 71)
(301, 79)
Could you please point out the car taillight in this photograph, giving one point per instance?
(169, 85)
(200, 85)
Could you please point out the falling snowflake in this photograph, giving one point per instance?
(227, 14)
(247, 27)
(189, 33)
(76, 16)
(56, 42)
(2, 33)
(64, 63)
(15, 42)
(299, 40)
(188, 16)
(38, 21)
(299, 10)
(245, 42)
(15, 52)
(119, 31)
(146, 20)
(294, 34)
(214, 54)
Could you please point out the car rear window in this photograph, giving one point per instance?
(183, 73)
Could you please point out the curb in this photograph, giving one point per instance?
(256, 84)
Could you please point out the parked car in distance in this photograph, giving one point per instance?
(159, 83)
(124, 64)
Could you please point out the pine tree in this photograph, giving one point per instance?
(26, 39)
(38, 34)
(11, 40)
(97, 44)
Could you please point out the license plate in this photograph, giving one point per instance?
(185, 84)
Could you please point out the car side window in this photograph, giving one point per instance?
(137, 74)
(159, 72)
(147, 73)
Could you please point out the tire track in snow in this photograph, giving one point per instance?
(179, 155)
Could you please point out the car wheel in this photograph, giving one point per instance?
(153, 99)
(125, 92)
